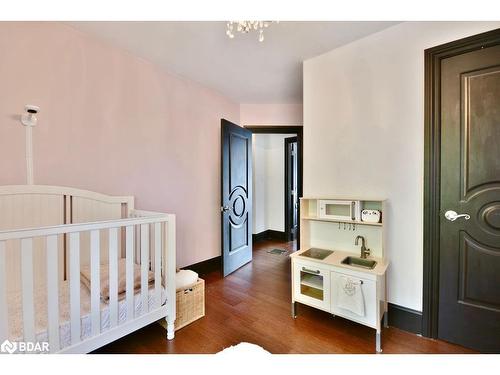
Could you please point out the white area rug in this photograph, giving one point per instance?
(244, 348)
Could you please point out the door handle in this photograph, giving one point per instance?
(311, 271)
(224, 208)
(452, 215)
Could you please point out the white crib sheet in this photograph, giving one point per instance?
(16, 323)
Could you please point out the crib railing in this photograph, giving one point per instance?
(150, 234)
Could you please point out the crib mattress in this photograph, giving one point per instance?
(40, 302)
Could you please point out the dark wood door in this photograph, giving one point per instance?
(291, 188)
(236, 203)
(469, 258)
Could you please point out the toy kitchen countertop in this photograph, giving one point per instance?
(336, 257)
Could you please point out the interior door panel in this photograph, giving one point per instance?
(236, 204)
(469, 266)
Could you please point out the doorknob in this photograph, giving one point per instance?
(452, 215)
(224, 208)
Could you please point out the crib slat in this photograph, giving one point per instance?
(95, 282)
(74, 285)
(113, 277)
(4, 323)
(144, 266)
(27, 285)
(158, 264)
(129, 255)
(53, 293)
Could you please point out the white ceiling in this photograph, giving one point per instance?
(242, 68)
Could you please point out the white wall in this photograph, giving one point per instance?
(271, 114)
(259, 155)
(364, 133)
(114, 123)
(269, 180)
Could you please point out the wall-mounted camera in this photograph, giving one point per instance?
(29, 117)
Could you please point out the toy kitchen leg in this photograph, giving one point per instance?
(378, 338)
(378, 342)
(294, 309)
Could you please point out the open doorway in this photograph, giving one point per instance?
(277, 182)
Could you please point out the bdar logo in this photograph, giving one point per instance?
(8, 347)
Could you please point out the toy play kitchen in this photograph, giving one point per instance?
(341, 265)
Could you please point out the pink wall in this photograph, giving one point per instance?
(113, 123)
(271, 114)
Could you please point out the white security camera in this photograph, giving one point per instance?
(29, 118)
(31, 108)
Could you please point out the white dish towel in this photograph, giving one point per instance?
(350, 296)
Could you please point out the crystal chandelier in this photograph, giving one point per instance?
(245, 27)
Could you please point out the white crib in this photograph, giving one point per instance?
(49, 234)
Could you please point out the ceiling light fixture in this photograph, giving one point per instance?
(245, 27)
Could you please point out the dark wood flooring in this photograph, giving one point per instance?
(253, 305)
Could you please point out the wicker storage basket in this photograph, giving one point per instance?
(190, 304)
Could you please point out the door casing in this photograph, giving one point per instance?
(295, 129)
(432, 172)
(288, 207)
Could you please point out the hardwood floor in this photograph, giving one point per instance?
(253, 305)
